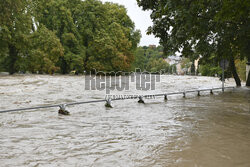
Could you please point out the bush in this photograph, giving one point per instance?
(209, 70)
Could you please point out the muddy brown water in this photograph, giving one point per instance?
(209, 131)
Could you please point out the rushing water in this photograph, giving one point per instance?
(210, 130)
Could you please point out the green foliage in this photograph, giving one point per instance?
(172, 69)
(15, 25)
(150, 59)
(210, 70)
(201, 28)
(140, 61)
(110, 47)
(64, 35)
(156, 65)
(46, 51)
(186, 63)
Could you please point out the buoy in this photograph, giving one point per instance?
(141, 100)
(184, 94)
(63, 110)
(165, 97)
(108, 103)
(199, 94)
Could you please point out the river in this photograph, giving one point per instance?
(205, 131)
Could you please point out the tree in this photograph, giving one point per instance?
(150, 59)
(15, 27)
(109, 36)
(64, 35)
(201, 27)
(45, 52)
(248, 79)
(56, 16)
(93, 34)
(140, 60)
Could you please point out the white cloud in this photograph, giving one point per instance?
(140, 18)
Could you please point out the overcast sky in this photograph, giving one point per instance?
(140, 18)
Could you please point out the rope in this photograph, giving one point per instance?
(51, 106)
(99, 101)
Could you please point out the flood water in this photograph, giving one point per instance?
(205, 131)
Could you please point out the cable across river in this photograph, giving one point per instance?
(109, 100)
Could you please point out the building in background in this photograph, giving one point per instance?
(152, 46)
(175, 60)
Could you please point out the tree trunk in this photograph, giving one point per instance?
(248, 77)
(234, 72)
(86, 59)
(248, 80)
(12, 59)
(63, 65)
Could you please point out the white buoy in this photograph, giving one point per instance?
(63, 110)
(141, 100)
(108, 103)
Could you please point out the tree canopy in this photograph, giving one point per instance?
(150, 59)
(48, 36)
(199, 28)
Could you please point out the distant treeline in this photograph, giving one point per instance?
(48, 36)
(152, 59)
